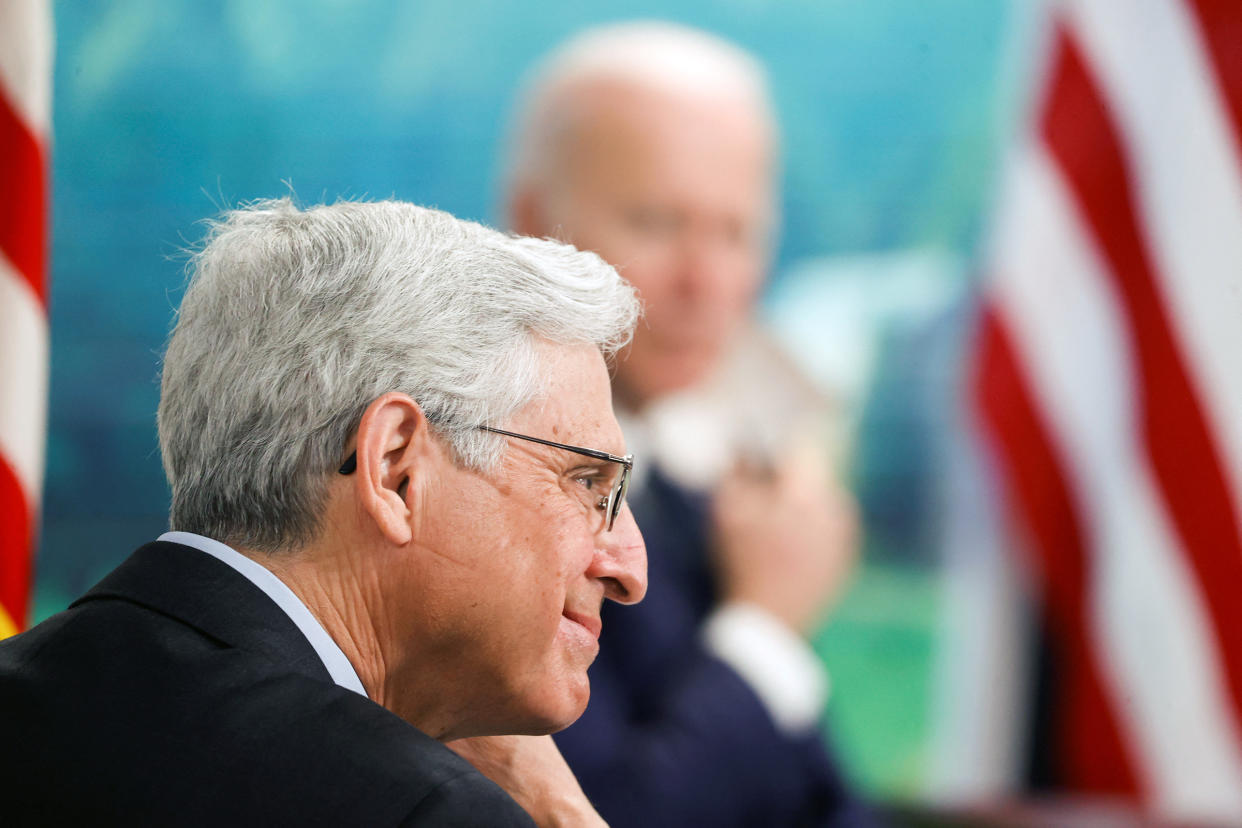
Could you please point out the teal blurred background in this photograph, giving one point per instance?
(894, 116)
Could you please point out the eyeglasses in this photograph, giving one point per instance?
(610, 505)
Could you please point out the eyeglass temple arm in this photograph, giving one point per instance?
(599, 455)
(351, 462)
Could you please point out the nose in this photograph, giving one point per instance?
(698, 267)
(620, 561)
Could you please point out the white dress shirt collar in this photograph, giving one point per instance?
(329, 652)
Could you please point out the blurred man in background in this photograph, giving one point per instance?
(654, 145)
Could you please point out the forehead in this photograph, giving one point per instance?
(625, 135)
(575, 400)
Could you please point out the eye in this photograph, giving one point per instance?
(653, 221)
(592, 486)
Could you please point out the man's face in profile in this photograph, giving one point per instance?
(676, 193)
(517, 562)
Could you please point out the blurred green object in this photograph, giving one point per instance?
(879, 646)
(166, 111)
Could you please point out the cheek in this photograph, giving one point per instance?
(645, 260)
(547, 657)
(738, 299)
(568, 544)
(653, 275)
(647, 263)
(552, 555)
(749, 278)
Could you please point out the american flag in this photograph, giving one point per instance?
(1107, 383)
(25, 116)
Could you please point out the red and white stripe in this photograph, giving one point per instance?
(1108, 382)
(25, 118)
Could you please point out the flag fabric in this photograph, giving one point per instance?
(25, 115)
(1107, 384)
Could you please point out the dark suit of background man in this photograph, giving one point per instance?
(361, 568)
(654, 146)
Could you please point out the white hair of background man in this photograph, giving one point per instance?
(657, 55)
(295, 320)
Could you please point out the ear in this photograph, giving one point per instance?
(527, 214)
(394, 443)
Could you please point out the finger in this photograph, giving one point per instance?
(804, 462)
(756, 462)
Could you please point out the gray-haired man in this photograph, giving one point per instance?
(397, 509)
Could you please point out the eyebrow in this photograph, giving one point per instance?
(590, 463)
(594, 465)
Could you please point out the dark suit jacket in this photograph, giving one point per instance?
(672, 735)
(177, 693)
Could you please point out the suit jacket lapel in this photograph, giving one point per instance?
(209, 595)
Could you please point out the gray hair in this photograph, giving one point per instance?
(651, 54)
(295, 320)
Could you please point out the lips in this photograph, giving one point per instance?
(591, 623)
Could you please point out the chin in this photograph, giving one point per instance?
(673, 376)
(556, 714)
(542, 719)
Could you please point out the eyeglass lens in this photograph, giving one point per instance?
(617, 496)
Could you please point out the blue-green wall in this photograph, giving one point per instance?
(166, 110)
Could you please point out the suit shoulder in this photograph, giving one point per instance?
(155, 719)
(376, 764)
(462, 801)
